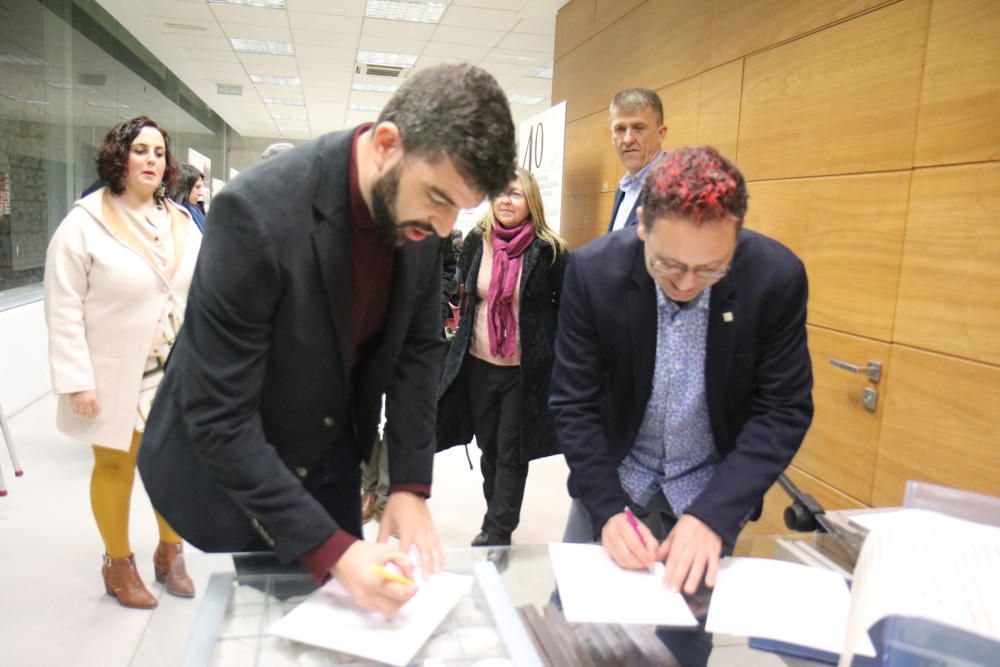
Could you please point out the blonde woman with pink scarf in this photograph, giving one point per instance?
(495, 380)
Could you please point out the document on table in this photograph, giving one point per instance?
(329, 619)
(922, 564)
(783, 601)
(595, 589)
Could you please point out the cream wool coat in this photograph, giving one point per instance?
(104, 299)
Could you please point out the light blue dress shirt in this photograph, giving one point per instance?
(632, 187)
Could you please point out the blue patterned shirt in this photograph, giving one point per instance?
(674, 449)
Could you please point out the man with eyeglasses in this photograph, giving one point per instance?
(682, 383)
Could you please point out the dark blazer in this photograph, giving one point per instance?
(758, 375)
(633, 217)
(541, 286)
(259, 387)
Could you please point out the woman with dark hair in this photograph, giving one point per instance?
(188, 191)
(495, 380)
(116, 280)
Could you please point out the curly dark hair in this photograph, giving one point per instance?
(112, 154)
(457, 111)
(696, 182)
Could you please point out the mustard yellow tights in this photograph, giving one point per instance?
(110, 496)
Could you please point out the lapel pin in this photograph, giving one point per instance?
(727, 317)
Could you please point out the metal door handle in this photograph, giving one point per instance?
(873, 369)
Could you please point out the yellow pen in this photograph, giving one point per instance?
(391, 576)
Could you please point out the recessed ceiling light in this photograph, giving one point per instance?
(107, 105)
(386, 58)
(262, 46)
(186, 26)
(269, 4)
(525, 99)
(284, 101)
(286, 116)
(406, 10)
(11, 59)
(229, 89)
(544, 72)
(275, 80)
(373, 87)
(362, 107)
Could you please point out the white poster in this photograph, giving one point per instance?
(541, 152)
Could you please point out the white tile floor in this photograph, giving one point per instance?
(53, 609)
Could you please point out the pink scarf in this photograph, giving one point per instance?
(508, 245)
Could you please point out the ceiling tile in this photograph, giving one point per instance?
(404, 29)
(174, 9)
(353, 118)
(326, 57)
(270, 33)
(211, 28)
(477, 17)
(231, 14)
(258, 63)
(276, 91)
(505, 68)
(374, 99)
(535, 86)
(187, 41)
(520, 41)
(511, 5)
(537, 19)
(328, 22)
(523, 58)
(342, 7)
(325, 38)
(391, 44)
(470, 36)
(324, 76)
(451, 52)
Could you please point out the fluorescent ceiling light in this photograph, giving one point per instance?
(373, 88)
(300, 130)
(71, 86)
(284, 101)
(525, 99)
(275, 80)
(406, 10)
(11, 59)
(287, 116)
(263, 47)
(107, 105)
(229, 89)
(544, 72)
(269, 4)
(386, 58)
(362, 107)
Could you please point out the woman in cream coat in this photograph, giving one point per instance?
(116, 281)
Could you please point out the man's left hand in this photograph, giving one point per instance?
(692, 550)
(406, 515)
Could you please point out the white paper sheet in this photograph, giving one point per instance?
(783, 601)
(329, 619)
(927, 565)
(594, 589)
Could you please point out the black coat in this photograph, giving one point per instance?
(541, 287)
(260, 389)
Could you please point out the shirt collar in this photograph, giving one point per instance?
(629, 181)
(671, 307)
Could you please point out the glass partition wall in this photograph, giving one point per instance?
(68, 73)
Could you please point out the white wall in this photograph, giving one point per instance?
(24, 357)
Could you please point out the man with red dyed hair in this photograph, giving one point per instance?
(682, 384)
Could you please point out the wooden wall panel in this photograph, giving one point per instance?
(719, 121)
(681, 106)
(671, 36)
(773, 22)
(843, 100)
(608, 11)
(960, 102)
(840, 447)
(940, 425)
(574, 26)
(591, 164)
(849, 232)
(949, 288)
(585, 217)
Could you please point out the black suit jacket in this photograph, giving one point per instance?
(633, 217)
(758, 375)
(259, 388)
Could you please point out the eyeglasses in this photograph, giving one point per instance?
(514, 197)
(673, 270)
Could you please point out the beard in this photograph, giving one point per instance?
(387, 225)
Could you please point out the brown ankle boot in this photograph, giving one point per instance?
(121, 580)
(168, 561)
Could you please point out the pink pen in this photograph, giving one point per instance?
(635, 526)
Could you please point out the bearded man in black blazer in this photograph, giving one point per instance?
(315, 294)
(682, 385)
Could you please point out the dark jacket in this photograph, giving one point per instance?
(260, 390)
(758, 375)
(541, 286)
